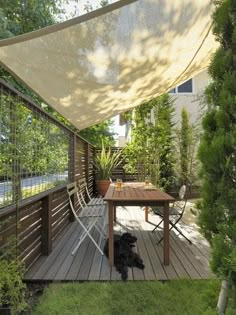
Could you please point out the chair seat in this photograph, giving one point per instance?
(160, 211)
(96, 201)
(93, 211)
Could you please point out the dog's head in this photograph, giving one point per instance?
(129, 238)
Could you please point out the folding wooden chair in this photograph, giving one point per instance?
(86, 194)
(88, 217)
(176, 211)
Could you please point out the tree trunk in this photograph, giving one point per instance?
(223, 297)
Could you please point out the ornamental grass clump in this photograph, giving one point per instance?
(106, 161)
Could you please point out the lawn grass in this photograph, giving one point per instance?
(180, 297)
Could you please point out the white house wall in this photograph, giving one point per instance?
(191, 101)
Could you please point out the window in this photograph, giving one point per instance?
(186, 87)
(173, 90)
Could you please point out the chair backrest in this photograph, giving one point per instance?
(84, 188)
(72, 190)
(76, 200)
(184, 193)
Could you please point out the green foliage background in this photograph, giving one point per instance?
(151, 149)
(186, 143)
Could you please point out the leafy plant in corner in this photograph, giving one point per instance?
(105, 161)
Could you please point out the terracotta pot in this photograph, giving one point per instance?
(102, 186)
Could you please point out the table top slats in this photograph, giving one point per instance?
(136, 192)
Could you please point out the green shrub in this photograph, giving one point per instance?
(12, 288)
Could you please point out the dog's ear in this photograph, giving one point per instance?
(125, 236)
(129, 237)
(132, 239)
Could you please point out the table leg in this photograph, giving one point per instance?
(146, 213)
(110, 236)
(166, 235)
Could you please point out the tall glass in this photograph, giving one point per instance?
(147, 180)
(118, 185)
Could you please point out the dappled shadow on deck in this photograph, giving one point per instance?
(187, 261)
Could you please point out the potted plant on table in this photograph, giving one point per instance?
(104, 163)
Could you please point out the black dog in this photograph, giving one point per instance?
(124, 257)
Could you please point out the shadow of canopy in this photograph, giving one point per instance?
(103, 63)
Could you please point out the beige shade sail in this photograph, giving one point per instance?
(103, 63)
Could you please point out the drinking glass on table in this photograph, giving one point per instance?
(118, 185)
(147, 181)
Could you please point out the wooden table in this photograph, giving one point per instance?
(134, 194)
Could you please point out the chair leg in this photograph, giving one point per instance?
(100, 229)
(87, 232)
(181, 233)
(161, 239)
(80, 242)
(173, 226)
(157, 225)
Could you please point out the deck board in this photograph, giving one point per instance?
(186, 261)
(185, 258)
(77, 261)
(62, 257)
(138, 274)
(88, 258)
(148, 271)
(49, 260)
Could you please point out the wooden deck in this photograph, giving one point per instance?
(187, 261)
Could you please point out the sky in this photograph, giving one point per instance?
(72, 6)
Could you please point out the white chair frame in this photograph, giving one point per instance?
(93, 213)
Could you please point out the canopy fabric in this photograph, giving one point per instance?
(103, 63)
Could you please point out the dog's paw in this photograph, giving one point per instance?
(141, 266)
(124, 276)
